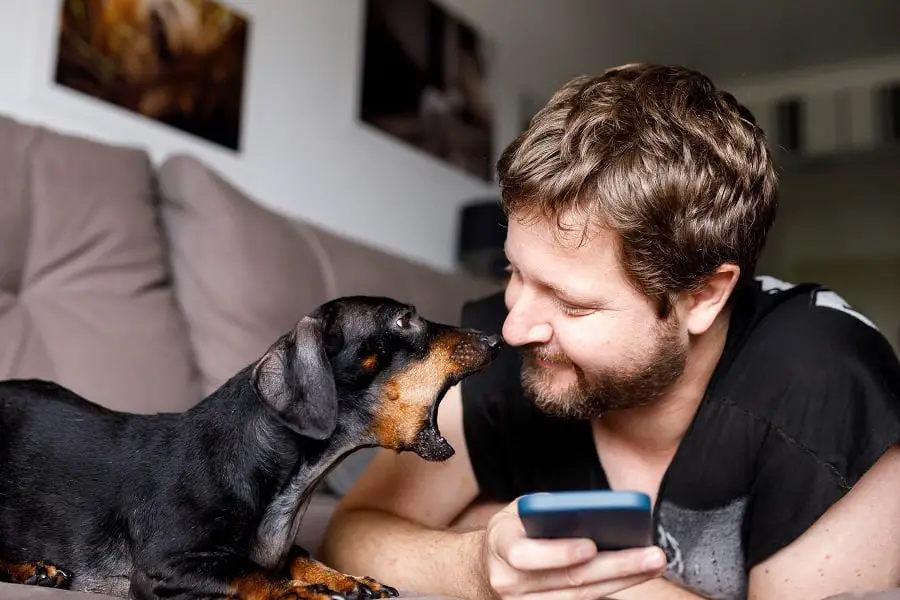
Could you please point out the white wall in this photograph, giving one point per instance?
(839, 215)
(304, 151)
(823, 88)
(844, 203)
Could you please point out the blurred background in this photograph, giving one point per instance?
(379, 121)
(180, 180)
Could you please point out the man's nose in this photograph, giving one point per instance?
(524, 325)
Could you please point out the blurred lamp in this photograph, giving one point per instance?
(482, 233)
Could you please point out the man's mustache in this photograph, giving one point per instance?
(541, 353)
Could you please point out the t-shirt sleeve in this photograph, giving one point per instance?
(837, 413)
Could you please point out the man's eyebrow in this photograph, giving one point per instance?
(560, 293)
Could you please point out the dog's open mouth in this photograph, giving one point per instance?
(471, 352)
(430, 444)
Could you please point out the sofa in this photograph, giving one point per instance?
(144, 287)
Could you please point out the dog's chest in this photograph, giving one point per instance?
(279, 525)
(108, 575)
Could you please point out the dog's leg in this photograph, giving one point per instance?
(302, 567)
(35, 572)
(213, 576)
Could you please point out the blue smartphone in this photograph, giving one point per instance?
(615, 520)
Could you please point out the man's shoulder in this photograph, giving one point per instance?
(811, 366)
(808, 330)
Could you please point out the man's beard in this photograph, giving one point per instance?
(597, 392)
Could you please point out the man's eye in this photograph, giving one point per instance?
(573, 311)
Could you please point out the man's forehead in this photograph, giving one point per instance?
(566, 242)
(564, 261)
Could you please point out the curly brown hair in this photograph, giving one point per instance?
(676, 168)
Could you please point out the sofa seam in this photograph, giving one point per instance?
(329, 275)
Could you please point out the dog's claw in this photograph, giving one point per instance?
(48, 575)
(316, 591)
(370, 589)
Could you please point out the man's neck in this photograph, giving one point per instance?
(660, 427)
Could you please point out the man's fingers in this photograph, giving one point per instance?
(590, 592)
(605, 567)
(510, 544)
(539, 555)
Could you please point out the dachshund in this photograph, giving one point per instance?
(206, 503)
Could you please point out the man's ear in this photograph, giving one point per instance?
(295, 379)
(704, 304)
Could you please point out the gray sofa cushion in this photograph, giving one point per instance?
(243, 274)
(84, 287)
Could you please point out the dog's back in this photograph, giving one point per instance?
(50, 438)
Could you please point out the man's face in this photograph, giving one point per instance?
(592, 342)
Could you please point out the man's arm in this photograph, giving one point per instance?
(393, 525)
(656, 589)
(853, 548)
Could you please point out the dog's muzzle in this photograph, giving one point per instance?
(472, 352)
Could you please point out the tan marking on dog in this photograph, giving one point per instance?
(369, 362)
(311, 571)
(23, 571)
(260, 586)
(405, 405)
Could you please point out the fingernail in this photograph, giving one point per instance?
(654, 559)
(585, 549)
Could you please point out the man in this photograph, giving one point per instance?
(761, 418)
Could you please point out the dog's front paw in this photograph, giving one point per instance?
(360, 588)
(43, 574)
(369, 588)
(312, 572)
(316, 591)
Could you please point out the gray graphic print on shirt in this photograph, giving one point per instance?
(704, 549)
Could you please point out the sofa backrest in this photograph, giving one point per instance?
(244, 274)
(85, 298)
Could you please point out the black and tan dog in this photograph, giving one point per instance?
(207, 503)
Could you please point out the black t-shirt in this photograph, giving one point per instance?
(805, 398)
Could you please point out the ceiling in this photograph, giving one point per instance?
(733, 39)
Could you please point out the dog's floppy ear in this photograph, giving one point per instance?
(295, 379)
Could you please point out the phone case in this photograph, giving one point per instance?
(615, 520)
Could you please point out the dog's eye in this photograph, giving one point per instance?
(405, 321)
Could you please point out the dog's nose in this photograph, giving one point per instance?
(493, 342)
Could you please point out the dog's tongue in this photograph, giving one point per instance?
(432, 446)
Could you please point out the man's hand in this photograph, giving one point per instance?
(519, 567)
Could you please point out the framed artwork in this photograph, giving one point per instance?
(424, 81)
(179, 62)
